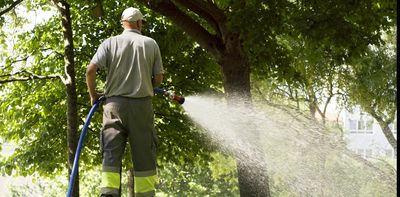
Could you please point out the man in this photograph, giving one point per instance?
(133, 68)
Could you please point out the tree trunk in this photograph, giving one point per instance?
(387, 132)
(252, 176)
(313, 109)
(236, 71)
(389, 135)
(70, 86)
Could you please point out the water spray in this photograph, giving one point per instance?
(303, 156)
(170, 94)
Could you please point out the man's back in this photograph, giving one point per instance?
(130, 60)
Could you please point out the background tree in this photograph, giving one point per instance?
(371, 83)
(29, 105)
(70, 87)
(313, 78)
(68, 81)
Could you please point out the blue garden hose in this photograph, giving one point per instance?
(170, 94)
(80, 144)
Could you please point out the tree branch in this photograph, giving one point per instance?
(32, 76)
(206, 40)
(28, 78)
(209, 11)
(20, 60)
(11, 7)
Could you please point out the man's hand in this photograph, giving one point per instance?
(95, 97)
(157, 80)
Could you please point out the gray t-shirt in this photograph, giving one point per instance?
(130, 60)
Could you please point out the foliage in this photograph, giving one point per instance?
(214, 178)
(40, 143)
(372, 84)
(314, 79)
(49, 187)
(29, 108)
(372, 80)
(259, 23)
(344, 24)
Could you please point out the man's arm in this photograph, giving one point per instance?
(157, 80)
(91, 82)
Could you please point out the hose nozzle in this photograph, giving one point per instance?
(170, 94)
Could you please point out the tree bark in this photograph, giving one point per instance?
(389, 135)
(251, 168)
(70, 87)
(387, 132)
(236, 70)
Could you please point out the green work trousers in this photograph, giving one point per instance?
(128, 119)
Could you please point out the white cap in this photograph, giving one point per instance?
(132, 14)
